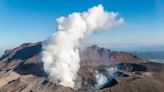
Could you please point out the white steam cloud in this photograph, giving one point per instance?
(104, 78)
(61, 50)
(101, 80)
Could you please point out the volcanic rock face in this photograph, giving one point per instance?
(25, 54)
(13, 82)
(96, 56)
(22, 71)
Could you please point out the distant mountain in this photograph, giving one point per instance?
(155, 55)
(152, 48)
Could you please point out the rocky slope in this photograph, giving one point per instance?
(10, 81)
(25, 53)
(125, 79)
(96, 56)
(22, 71)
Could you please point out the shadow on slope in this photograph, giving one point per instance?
(27, 52)
(32, 68)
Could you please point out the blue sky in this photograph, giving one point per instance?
(34, 20)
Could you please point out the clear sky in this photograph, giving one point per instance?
(34, 20)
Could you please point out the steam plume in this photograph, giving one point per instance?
(61, 50)
(101, 80)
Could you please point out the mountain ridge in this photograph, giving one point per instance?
(21, 70)
(28, 53)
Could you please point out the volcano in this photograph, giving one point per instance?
(21, 70)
